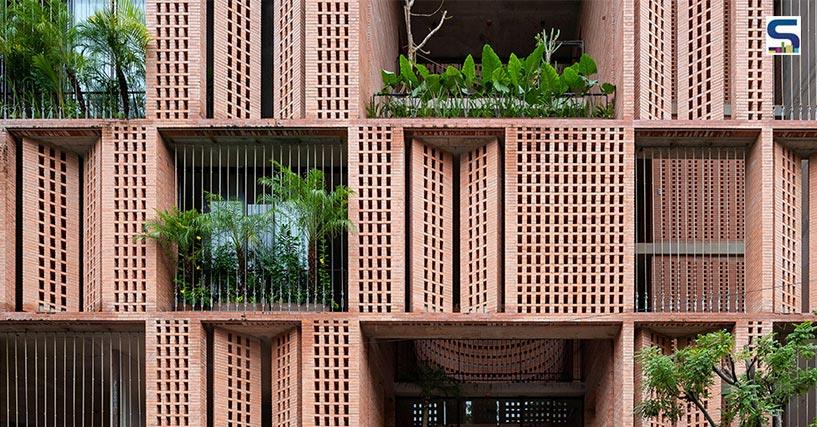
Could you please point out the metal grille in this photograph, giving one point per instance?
(226, 176)
(794, 76)
(83, 378)
(690, 229)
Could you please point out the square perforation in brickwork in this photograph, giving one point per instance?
(432, 228)
(172, 73)
(788, 189)
(334, 62)
(754, 50)
(569, 185)
(376, 158)
(92, 236)
(173, 387)
(237, 74)
(286, 369)
(130, 179)
(237, 378)
(332, 373)
(656, 19)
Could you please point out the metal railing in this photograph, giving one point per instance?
(257, 256)
(795, 76)
(97, 105)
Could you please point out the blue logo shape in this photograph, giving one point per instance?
(783, 35)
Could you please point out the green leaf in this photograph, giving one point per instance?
(535, 58)
(608, 88)
(407, 72)
(389, 78)
(515, 69)
(501, 81)
(573, 80)
(586, 65)
(550, 82)
(469, 70)
(490, 62)
(452, 77)
(423, 71)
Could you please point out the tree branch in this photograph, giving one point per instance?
(431, 33)
(700, 407)
(723, 376)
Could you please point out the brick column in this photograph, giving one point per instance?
(8, 219)
(237, 59)
(50, 228)
(175, 373)
(289, 59)
(286, 379)
(175, 61)
(760, 241)
(812, 249)
(624, 365)
(752, 73)
(654, 95)
(136, 171)
(377, 207)
(236, 379)
(787, 230)
(700, 59)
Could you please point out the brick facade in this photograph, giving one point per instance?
(513, 230)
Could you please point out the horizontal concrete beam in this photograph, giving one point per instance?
(532, 389)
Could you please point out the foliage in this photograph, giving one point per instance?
(770, 379)
(228, 255)
(115, 38)
(527, 86)
(53, 70)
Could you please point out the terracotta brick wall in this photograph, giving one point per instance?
(175, 373)
(50, 228)
(760, 240)
(377, 207)
(332, 61)
(788, 230)
(289, 59)
(752, 68)
(570, 227)
(655, 62)
(700, 59)
(236, 379)
(812, 213)
(175, 62)
(380, 22)
(601, 26)
(92, 229)
(8, 217)
(377, 377)
(331, 368)
(286, 379)
(237, 59)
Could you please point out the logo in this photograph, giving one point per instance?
(783, 35)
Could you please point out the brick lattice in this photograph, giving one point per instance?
(237, 59)
(289, 59)
(569, 192)
(236, 379)
(788, 195)
(479, 226)
(655, 61)
(50, 228)
(92, 228)
(286, 381)
(175, 60)
(700, 59)
(330, 372)
(175, 366)
(332, 59)
(376, 264)
(432, 228)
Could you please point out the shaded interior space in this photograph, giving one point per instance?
(75, 377)
(221, 173)
(795, 76)
(691, 222)
(455, 208)
(509, 26)
(481, 382)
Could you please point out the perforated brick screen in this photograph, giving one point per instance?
(237, 59)
(286, 380)
(788, 245)
(236, 379)
(289, 59)
(568, 194)
(700, 59)
(8, 217)
(330, 369)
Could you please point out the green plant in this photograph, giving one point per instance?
(38, 46)
(432, 381)
(116, 38)
(771, 377)
(318, 213)
(527, 86)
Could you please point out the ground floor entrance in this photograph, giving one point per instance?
(483, 412)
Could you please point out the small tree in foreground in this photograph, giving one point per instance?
(771, 377)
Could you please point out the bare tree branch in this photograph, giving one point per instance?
(413, 48)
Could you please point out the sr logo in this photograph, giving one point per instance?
(783, 35)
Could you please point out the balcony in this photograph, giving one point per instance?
(73, 60)
(264, 222)
(559, 60)
(795, 89)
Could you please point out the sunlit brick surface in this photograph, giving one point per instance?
(175, 61)
(50, 228)
(330, 373)
(788, 219)
(479, 223)
(567, 196)
(8, 220)
(237, 59)
(92, 228)
(175, 365)
(376, 172)
(655, 60)
(432, 228)
(286, 380)
(289, 53)
(700, 59)
(237, 378)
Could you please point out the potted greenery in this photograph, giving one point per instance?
(116, 39)
(317, 213)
